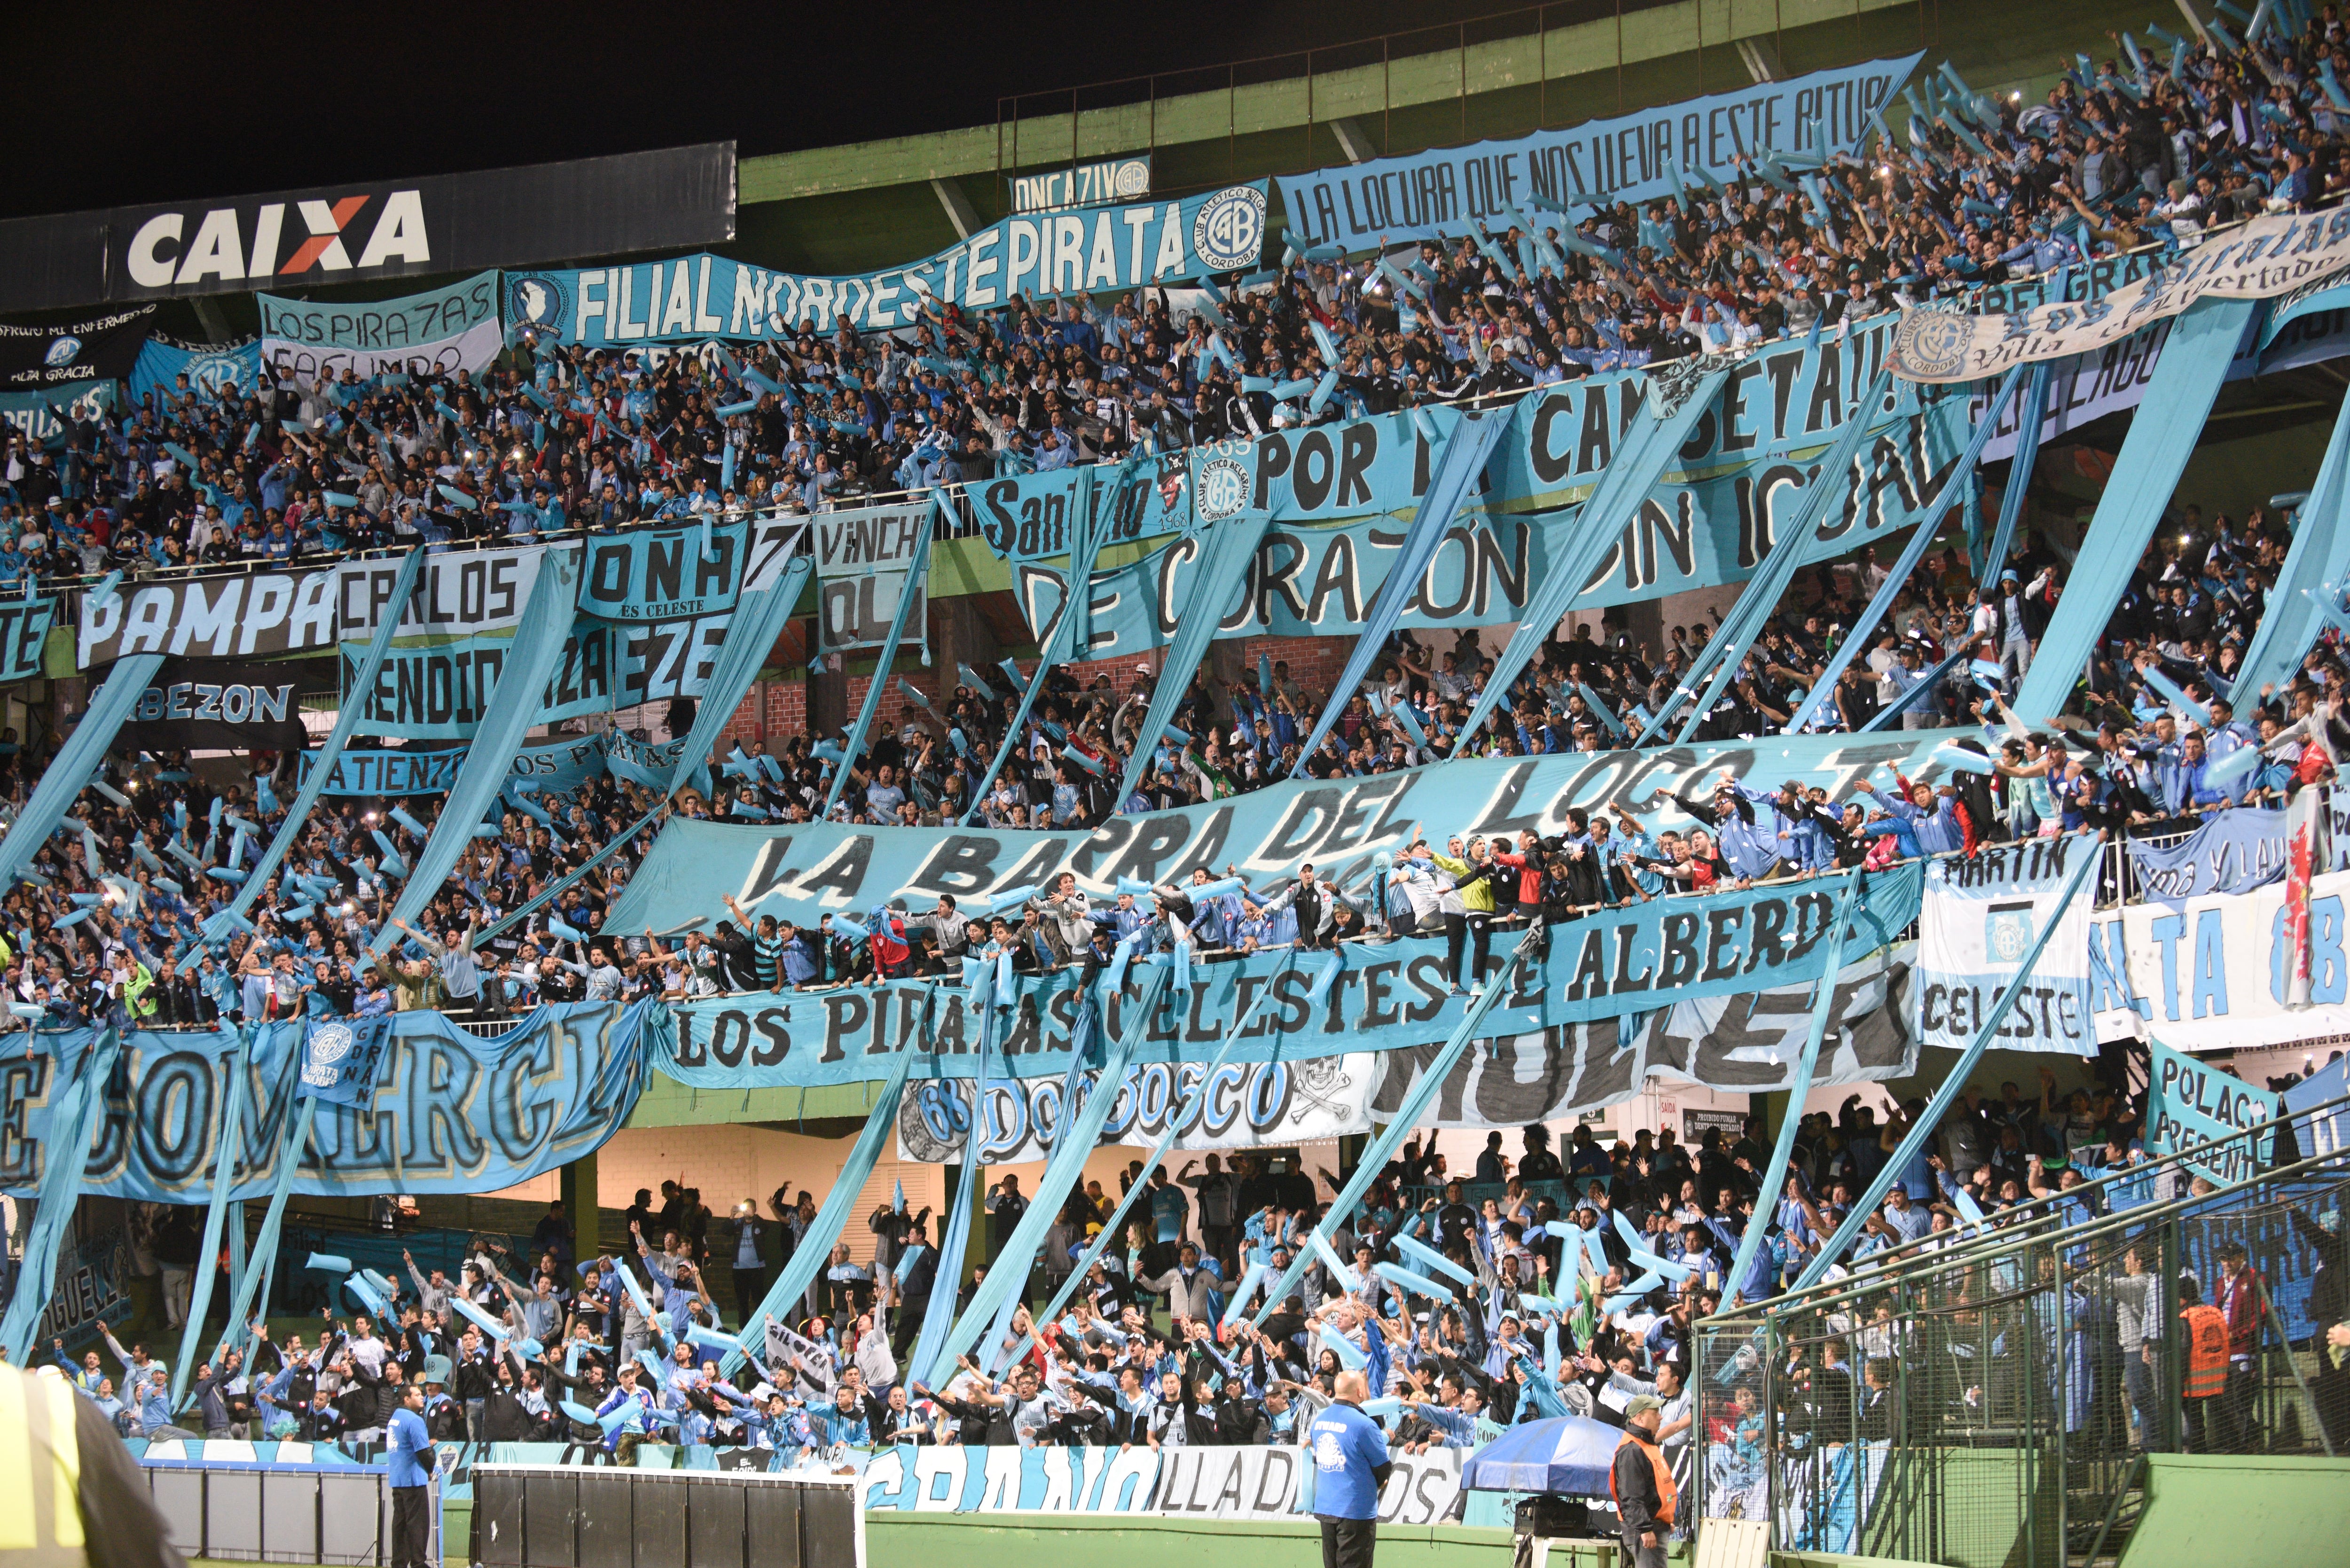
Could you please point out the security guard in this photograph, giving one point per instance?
(1641, 1483)
(2207, 1366)
(71, 1493)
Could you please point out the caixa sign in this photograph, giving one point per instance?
(528, 216)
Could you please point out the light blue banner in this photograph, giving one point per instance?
(24, 633)
(556, 768)
(1101, 251)
(2191, 1103)
(451, 1112)
(1385, 996)
(43, 416)
(2233, 852)
(1628, 157)
(161, 364)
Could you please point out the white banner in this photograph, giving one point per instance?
(2210, 974)
(1247, 1105)
(1980, 917)
(2266, 257)
(471, 349)
(864, 559)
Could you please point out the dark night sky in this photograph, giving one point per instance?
(149, 103)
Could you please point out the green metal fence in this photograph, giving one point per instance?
(1984, 1399)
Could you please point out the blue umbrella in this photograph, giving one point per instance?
(1565, 1454)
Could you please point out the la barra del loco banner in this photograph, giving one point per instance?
(2210, 973)
(103, 349)
(1981, 915)
(449, 1112)
(2191, 1104)
(1622, 159)
(2269, 256)
(1102, 250)
(437, 333)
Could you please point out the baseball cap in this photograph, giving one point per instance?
(1642, 1402)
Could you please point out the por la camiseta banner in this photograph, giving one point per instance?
(1981, 916)
(2269, 256)
(2209, 974)
(1105, 250)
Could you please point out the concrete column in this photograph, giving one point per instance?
(579, 1187)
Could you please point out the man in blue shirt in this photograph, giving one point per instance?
(1350, 1466)
(408, 1454)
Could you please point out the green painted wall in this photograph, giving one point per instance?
(870, 204)
(2208, 1509)
(1086, 1541)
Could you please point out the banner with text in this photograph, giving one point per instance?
(2209, 974)
(2191, 1103)
(1102, 250)
(209, 704)
(1981, 915)
(1603, 161)
(24, 634)
(43, 416)
(436, 332)
(2266, 257)
(44, 358)
(557, 767)
(864, 559)
(450, 1112)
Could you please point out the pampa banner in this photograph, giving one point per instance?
(24, 634)
(449, 1112)
(102, 348)
(864, 560)
(209, 370)
(211, 618)
(1105, 250)
(1628, 158)
(1382, 996)
(2209, 974)
(438, 333)
(1981, 916)
(2268, 257)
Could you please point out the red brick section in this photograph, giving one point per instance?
(1314, 661)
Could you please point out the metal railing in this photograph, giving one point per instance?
(1990, 1398)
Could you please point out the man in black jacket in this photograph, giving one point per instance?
(1640, 1483)
(914, 1288)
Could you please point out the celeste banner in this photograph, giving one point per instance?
(1625, 158)
(1384, 996)
(24, 634)
(2190, 1104)
(449, 1112)
(556, 767)
(2233, 852)
(1981, 916)
(43, 416)
(161, 363)
(1101, 250)
(2269, 256)
(2209, 974)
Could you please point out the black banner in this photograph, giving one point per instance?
(213, 705)
(674, 199)
(103, 349)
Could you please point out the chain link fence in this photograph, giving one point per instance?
(1985, 1404)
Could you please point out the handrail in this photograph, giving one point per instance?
(2001, 1234)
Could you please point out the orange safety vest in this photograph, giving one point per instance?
(1667, 1497)
(2207, 1351)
